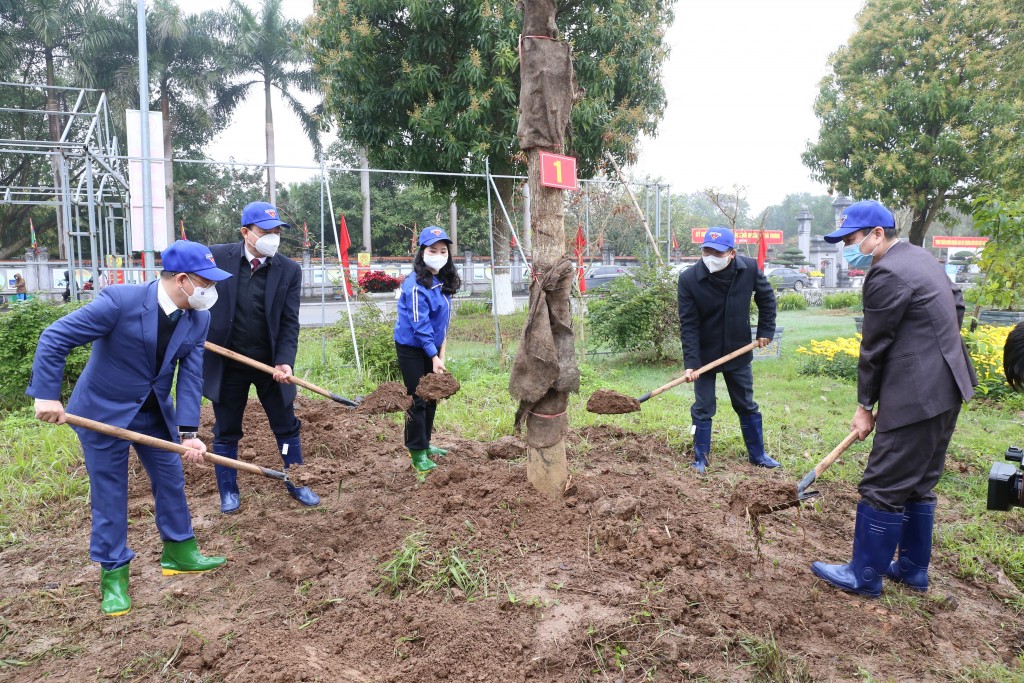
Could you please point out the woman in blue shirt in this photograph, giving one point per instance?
(424, 311)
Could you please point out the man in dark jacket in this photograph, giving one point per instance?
(915, 367)
(257, 315)
(714, 320)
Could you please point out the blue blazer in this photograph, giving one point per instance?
(121, 323)
(284, 286)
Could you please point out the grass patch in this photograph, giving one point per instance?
(415, 567)
(768, 663)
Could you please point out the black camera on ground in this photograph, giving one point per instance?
(1005, 485)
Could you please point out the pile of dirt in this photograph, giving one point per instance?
(644, 572)
(389, 397)
(437, 385)
(608, 402)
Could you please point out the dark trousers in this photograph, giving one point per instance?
(106, 461)
(234, 392)
(905, 463)
(739, 382)
(419, 419)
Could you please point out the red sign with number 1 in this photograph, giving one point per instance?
(557, 170)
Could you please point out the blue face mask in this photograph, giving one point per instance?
(853, 255)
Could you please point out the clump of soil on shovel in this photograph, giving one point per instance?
(437, 385)
(390, 397)
(608, 402)
(755, 497)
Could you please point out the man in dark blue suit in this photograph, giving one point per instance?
(258, 317)
(140, 334)
(714, 320)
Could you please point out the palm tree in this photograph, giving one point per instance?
(266, 51)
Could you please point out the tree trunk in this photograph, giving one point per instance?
(364, 188)
(58, 181)
(271, 176)
(165, 114)
(922, 220)
(502, 267)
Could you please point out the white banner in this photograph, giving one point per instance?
(157, 178)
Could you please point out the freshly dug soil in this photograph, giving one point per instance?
(608, 402)
(760, 496)
(437, 385)
(645, 572)
(389, 397)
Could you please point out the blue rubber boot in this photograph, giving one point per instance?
(874, 541)
(227, 478)
(753, 436)
(291, 453)
(911, 567)
(701, 444)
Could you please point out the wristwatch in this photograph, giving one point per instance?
(188, 435)
(866, 407)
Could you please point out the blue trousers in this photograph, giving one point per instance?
(739, 382)
(106, 460)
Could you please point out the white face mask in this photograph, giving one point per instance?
(435, 262)
(201, 298)
(268, 244)
(716, 263)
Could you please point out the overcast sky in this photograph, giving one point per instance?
(741, 82)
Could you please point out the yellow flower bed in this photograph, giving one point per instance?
(828, 348)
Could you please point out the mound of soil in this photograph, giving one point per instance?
(608, 402)
(645, 572)
(434, 386)
(389, 397)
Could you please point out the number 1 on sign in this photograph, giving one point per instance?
(558, 171)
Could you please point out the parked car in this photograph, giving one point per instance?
(599, 276)
(786, 278)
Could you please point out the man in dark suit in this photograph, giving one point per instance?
(915, 367)
(714, 320)
(140, 334)
(257, 316)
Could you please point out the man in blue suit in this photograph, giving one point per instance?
(258, 317)
(140, 334)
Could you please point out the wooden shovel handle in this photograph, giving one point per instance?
(147, 440)
(234, 355)
(704, 368)
(827, 461)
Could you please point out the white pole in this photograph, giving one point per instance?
(345, 276)
(147, 191)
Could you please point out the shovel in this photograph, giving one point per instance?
(147, 440)
(235, 356)
(801, 490)
(704, 368)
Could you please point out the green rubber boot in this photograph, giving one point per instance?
(114, 587)
(184, 558)
(435, 452)
(420, 461)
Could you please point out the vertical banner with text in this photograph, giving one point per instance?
(157, 179)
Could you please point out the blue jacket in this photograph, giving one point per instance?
(121, 323)
(423, 316)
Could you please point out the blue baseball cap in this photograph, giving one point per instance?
(192, 257)
(432, 234)
(719, 239)
(859, 215)
(263, 215)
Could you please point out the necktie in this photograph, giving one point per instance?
(174, 315)
(255, 263)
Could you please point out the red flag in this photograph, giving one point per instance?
(32, 228)
(675, 242)
(762, 250)
(579, 247)
(183, 235)
(305, 236)
(344, 244)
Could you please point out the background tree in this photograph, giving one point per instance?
(792, 257)
(782, 216)
(266, 46)
(435, 87)
(921, 108)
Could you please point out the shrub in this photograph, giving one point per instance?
(791, 301)
(855, 272)
(473, 307)
(841, 300)
(20, 329)
(377, 281)
(376, 338)
(985, 345)
(835, 358)
(639, 312)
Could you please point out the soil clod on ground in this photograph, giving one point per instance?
(608, 402)
(389, 397)
(760, 496)
(506, 448)
(437, 385)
